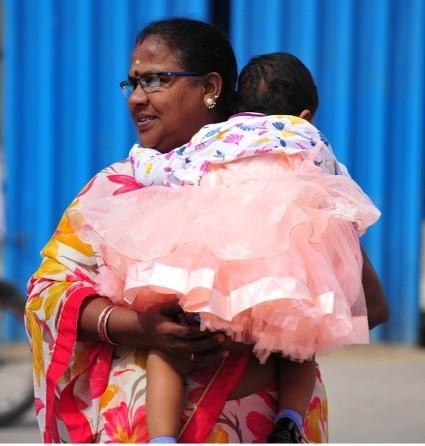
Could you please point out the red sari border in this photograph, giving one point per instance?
(213, 400)
(66, 338)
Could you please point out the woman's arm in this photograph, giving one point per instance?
(376, 303)
(154, 328)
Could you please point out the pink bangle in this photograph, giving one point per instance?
(102, 324)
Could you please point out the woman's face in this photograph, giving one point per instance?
(167, 118)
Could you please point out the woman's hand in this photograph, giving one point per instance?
(161, 330)
(158, 327)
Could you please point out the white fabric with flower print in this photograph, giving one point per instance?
(243, 135)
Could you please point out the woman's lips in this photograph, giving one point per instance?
(143, 122)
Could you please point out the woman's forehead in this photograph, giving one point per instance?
(153, 54)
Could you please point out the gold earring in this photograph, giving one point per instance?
(210, 103)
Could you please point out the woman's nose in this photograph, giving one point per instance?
(138, 97)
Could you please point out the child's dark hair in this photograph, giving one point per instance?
(276, 84)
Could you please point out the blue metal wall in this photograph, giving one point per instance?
(65, 117)
(368, 59)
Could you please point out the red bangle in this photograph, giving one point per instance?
(102, 324)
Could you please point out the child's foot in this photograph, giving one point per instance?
(285, 431)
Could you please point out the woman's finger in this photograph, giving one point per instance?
(185, 347)
(193, 332)
(169, 309)
(163, 332)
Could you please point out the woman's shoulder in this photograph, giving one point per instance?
(122, 167)
(115, 179)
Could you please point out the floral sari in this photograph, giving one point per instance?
(90, 392)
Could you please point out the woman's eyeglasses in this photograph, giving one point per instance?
(152, 82)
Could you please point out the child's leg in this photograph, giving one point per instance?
(296, 385)
(164, 397)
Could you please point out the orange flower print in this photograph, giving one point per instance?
(315, 421)
(218, 435)
(122, 427)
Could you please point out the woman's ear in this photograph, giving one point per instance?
(213, 84)
(306, 114)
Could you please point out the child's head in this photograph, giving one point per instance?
(277, 84)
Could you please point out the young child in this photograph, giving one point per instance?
(254, 228)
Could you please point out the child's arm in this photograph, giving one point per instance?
(376, 303)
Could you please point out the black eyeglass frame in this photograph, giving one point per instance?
(138, 80)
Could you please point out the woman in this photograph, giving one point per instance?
(183, 74)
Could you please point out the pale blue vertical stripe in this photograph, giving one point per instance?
(260, 27)
(42, 116)
(367, 158)
(85, 14)
(194, 9)
(256, 28)
(334, 74)
(13, 135)
(395, 164)
(13, 43)
(34, 145)
(301, 21)
(405, 180)
(73, 66)
(239, 30)
(111, 125)
(414, 177)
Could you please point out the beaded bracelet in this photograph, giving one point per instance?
(102, 324)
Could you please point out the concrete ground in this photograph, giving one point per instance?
(376, 395)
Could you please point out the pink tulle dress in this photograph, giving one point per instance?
(251, 227)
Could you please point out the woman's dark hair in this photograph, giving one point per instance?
(276, 84)
(199, 47)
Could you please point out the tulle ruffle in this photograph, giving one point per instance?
(273, 260)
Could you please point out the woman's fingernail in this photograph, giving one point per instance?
(226, 353)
